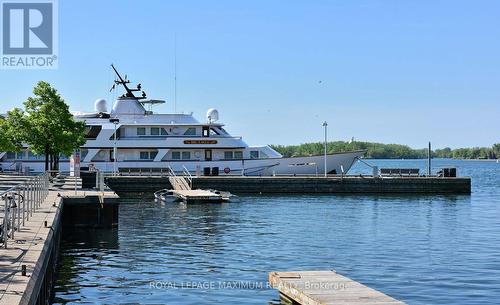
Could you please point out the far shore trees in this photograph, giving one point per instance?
(45, 125)
(388, 151)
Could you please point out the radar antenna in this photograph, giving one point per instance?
(124, 82)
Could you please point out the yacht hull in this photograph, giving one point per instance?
(336, 163)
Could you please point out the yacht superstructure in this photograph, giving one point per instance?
(147, 141)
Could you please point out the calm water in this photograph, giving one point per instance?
(419, 249)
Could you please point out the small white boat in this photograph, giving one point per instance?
(226, 196)
(165, 195)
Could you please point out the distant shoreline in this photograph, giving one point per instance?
(389, 151)
(402, 159)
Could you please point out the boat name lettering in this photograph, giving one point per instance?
(200, 141)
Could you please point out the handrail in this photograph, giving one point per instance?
(99, 178)
(20, 202)
(187, 175)
(171, 172)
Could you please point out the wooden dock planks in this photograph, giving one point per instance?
(192, 196)
(326, 288)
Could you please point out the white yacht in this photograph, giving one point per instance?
(148, 141)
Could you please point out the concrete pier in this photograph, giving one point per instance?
(325, 288)
(28, 264)
(147, 185)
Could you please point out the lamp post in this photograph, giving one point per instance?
(325, 124)
(115, 121)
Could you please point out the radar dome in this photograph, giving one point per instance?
(212, 115)
(100, 105)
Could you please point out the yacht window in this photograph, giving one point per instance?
(238, 155)
(213, 131)
(164, 132)
(155, 131)
(11, 155)
(186, 155)
(91, 132)
(147, 155)
(176, 155)
(190, 131)
(141, 131)
(228, 155)
(254, 154)
(205, 131)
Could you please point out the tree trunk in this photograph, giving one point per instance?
(46, 158)
(56, 162)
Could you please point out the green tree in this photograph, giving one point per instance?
(12, 131)
(496, 150)
(49, 127)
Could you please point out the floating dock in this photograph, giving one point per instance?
(198, 196)
(325, 288)
(147, 185)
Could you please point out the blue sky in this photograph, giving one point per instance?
(387, 71)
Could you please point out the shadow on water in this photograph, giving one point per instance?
(80, 248)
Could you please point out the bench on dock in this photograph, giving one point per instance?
(325, 288)
(399, 171)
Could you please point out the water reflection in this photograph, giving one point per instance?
(420, 249)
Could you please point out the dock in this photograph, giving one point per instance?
(198, 196)
(28, 255)
(182, 189)
(325, 288)
(135, 186)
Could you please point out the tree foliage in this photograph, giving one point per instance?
(387, 151)
(12, 131)
(45, 125)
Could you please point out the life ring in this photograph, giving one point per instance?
(227, 170)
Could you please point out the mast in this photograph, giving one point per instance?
(123, 81)
(175, 73)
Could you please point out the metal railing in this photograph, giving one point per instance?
(74, 181)
(179, 182)
(20, 202)
(187, 176)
